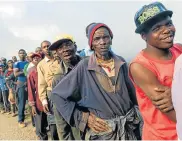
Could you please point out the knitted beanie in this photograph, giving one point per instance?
(92, 30)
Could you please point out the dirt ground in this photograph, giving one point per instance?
(9, 129)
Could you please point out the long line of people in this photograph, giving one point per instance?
(94, 95)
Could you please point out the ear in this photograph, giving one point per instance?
(144, 36)
(111, 42)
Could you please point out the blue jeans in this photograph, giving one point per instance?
(1, 101)
(7, 106)
(22, 97)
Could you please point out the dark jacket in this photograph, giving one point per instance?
(97, 93)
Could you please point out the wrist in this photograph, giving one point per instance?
(44, 102)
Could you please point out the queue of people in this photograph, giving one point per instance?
(96, 95)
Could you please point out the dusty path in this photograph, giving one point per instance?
(9, 129)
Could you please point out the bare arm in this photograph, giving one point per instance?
(17, 72)
(159, 95)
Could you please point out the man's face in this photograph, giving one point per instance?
(45, 48)
(55, 55)
(38, 50)
(14, 59)
(10, 64)
(66, 51)
(161, 34)
(1, 69)
(22, 54)
(101, 41)
(28, 59)
(36, 60)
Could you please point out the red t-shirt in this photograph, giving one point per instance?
(157, 126)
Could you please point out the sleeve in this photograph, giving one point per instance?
(42, 85)
(25, 69)
(16, 65)
(177, 95)
(61, 95)
(31, 89)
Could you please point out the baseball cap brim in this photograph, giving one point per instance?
(56, 44)
(142, 26)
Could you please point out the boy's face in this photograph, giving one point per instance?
(36, 60)
(10, 64)
(161, 33)
(22, 54)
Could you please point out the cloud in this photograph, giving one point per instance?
(37, 32)
(11, 11)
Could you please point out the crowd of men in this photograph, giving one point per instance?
(94, 94)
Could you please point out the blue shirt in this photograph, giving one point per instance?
(3, 86)
(20, 65)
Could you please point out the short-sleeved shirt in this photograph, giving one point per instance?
(157, 126)
(2, 83)
(20, 65)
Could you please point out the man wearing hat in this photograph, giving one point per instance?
(107, 107)
(66, 51)
(152, 71)
(47, 68)
(40, 117)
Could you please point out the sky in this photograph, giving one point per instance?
(25, 24)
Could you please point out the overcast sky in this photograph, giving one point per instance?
(24, 24)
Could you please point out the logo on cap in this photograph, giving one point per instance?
(148, 13)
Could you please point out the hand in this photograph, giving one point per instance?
(163, 100)
(46, 108)
(96, 124)
(34, 112)
(10, 90)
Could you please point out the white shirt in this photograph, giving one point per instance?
(177, 94)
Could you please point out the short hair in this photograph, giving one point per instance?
(10, 61)
(44, 41)
(21, 50)
(89, 26)
(38, 48)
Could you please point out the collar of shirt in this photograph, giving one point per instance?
(67, 67)
(93, 65)
(47, 59)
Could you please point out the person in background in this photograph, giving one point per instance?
(55, 55)
(26, 69)
(39, 51)
(4, 91)
(176, 94)
(4, 62)
(65, 48)
(14, 59)
(11, 84)
(87, 51)
(21, 86)
(29, 64)
(34, 101)
(47, 68)
(152, 71)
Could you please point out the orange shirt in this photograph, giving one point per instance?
(157, 126)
